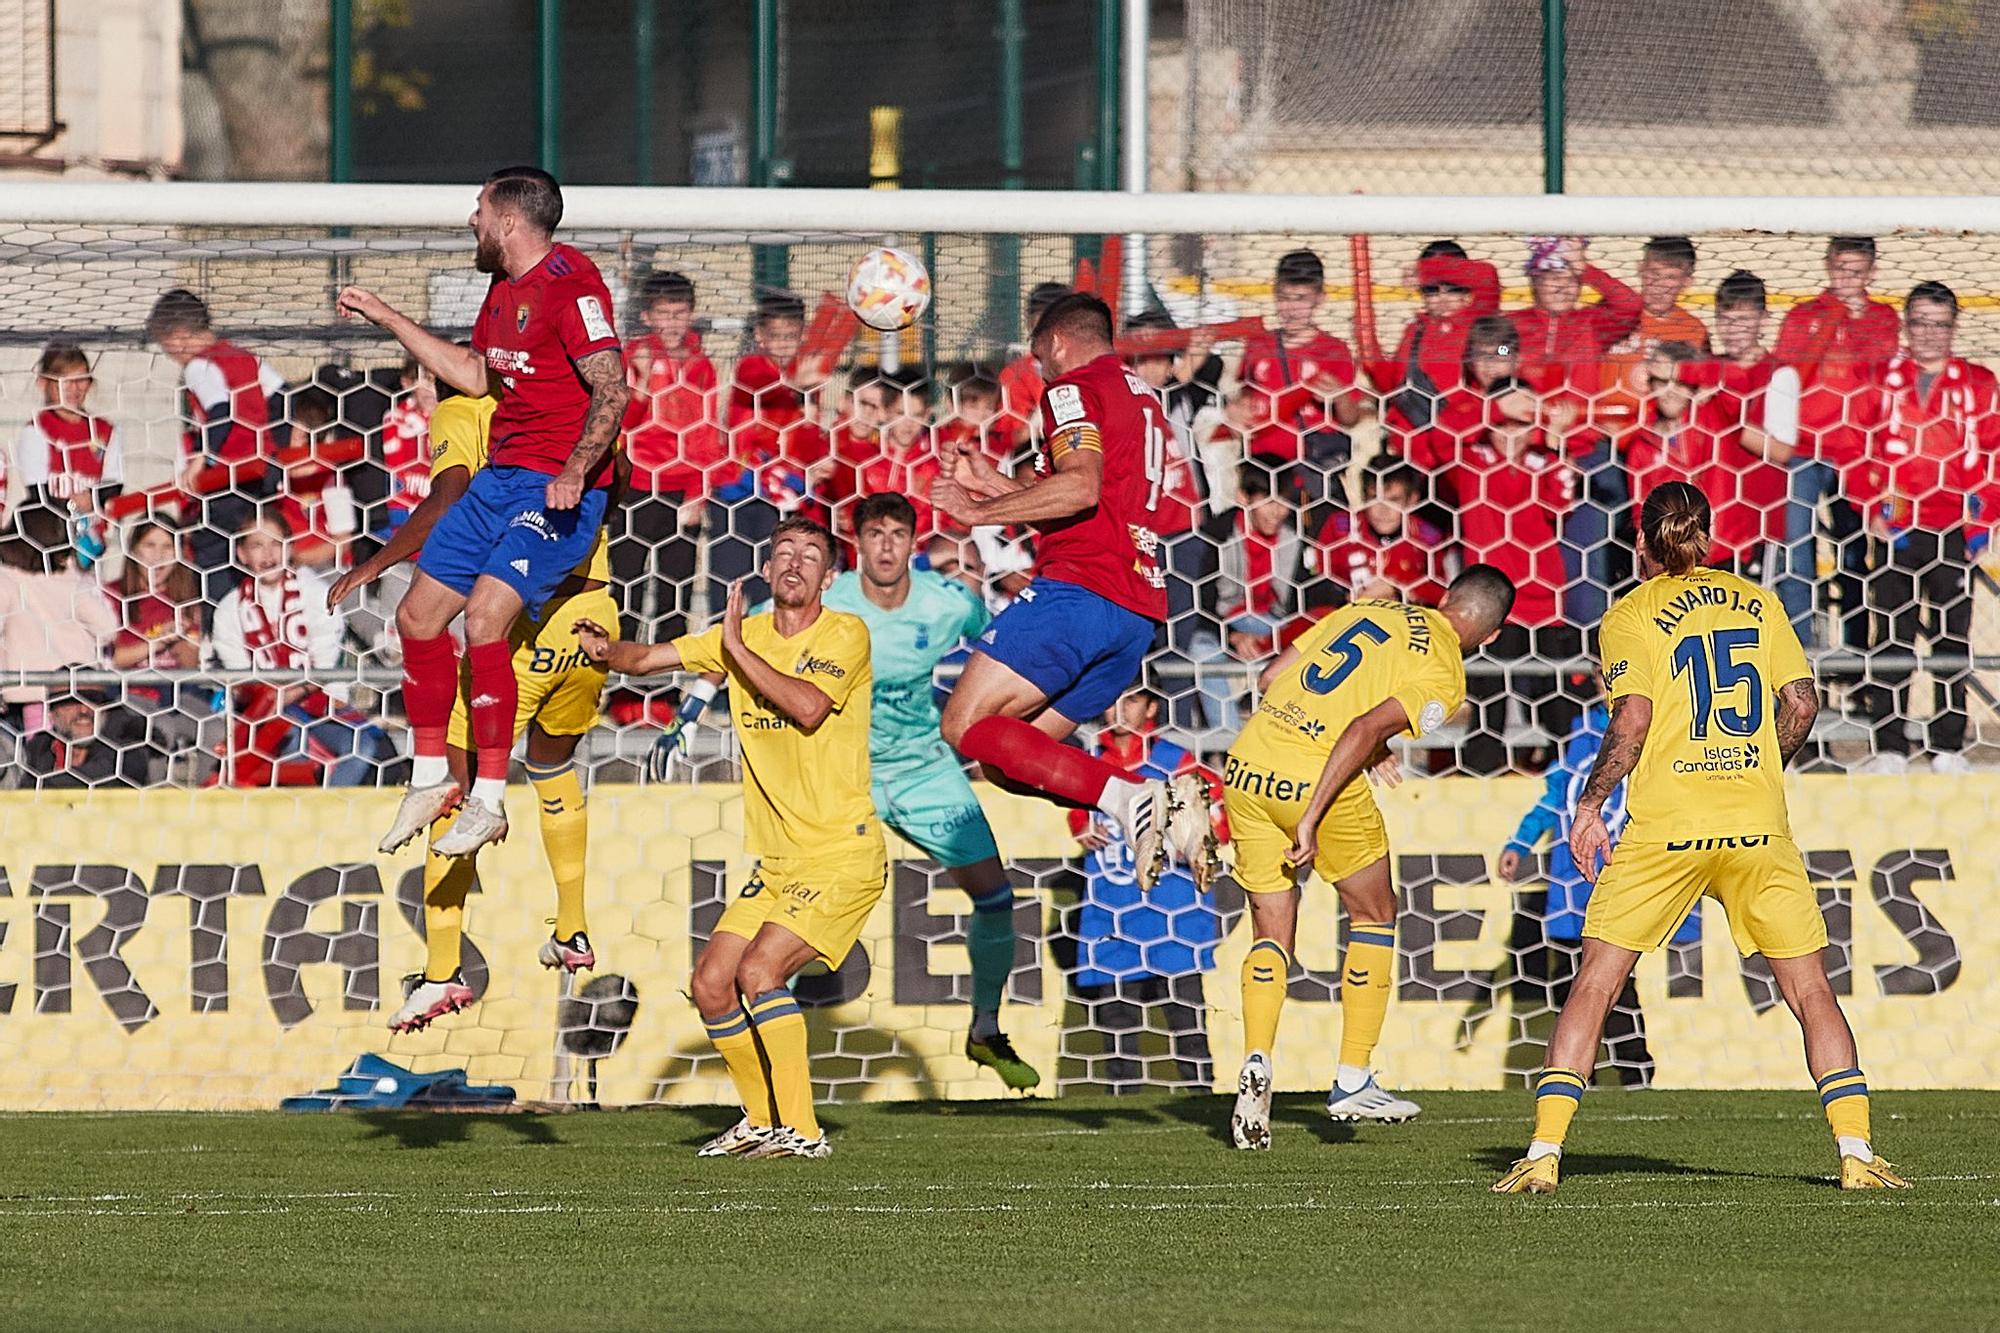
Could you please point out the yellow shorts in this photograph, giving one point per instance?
(560, 687)
(1264, 809)
(824, 900)
(1648, 888)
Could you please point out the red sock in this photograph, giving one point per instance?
(1023, 754)
(495, 696)
(430, 685)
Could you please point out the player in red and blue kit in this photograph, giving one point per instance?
(1078, 635)
(545, 346)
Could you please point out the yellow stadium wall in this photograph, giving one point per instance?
(222, 885)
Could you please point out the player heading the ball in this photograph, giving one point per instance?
(1078, 635)
(543, 344)
(1711, 697)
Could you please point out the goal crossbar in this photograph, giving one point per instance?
(816, 212)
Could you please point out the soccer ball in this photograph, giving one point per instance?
(888, 288)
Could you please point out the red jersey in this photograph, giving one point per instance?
(406, 454)
(1509, 516)
(908, 474)
(226, 381)
(1020, 395)
(1109, 548)
(770, 434)
(1349, 552)
(1291, 408)
(532, 330)
(1746, 494)
(71, 456)
(673, 433)
(1566, 351)
(1433, 344)
(1838, 354)
(1927, 459)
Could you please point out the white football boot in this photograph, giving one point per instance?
(1370, 1101)
(420, 808)
(477, 824)
(1250, 1122)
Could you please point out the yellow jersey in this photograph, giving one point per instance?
(460, 432)
(1349, 663)
(1710, 650)
(804, 793)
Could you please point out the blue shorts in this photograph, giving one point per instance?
(503, 526)
(932, 806)
(1079, 649)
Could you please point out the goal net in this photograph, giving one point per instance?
(191, 910)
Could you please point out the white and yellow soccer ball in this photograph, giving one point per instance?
(888, 289)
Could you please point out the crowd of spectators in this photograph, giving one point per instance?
(1520, 437)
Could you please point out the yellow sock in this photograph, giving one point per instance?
(736, 1042)
(1558, 1092)
(1264, 971)
(782, 1028)
(447, 879)
(1367, 979)
(565, 839)
(1843, 1095)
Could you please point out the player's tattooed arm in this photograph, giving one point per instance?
(1624, 738)
(604, 372)
(1798, 706)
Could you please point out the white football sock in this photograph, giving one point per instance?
(1853, 1147)
(1541, 1148)
(1350, 1078)
(428, 770)
(491, 791)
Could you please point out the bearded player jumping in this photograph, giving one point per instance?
(1078, 635)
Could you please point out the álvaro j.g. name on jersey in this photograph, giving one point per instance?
(1711, 651)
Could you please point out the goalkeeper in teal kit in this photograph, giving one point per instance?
(915, 618)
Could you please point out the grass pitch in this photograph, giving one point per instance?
(1677, 1210)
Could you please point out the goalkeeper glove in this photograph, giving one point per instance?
(675, 739)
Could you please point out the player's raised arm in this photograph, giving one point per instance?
(408, 539)
(1357, 745)
(801, 701)
(1071, 487)
(623, 655)
(461, 367)
(604, 372)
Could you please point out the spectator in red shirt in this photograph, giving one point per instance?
(1305, 381)
(68, 458)
(1456, 291)
(1021, 379)
(1185, 522)
(906, 463)
(1703, 441)
(857, 437)
(1260, 563)
(779, 451)
(406, 448)
(159, 604)
(674, 440)
(232, 402)
(1666, 271)
(1837, 340)
(1513, 490)
(1387, 551)
(976, 415)
(1926, 477)
(1563, 347)
(316, 502)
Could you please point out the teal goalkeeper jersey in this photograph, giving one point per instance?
(938, 615)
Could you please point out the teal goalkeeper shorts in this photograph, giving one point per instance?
(932, 806)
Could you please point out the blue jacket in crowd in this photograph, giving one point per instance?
(1569, 891)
